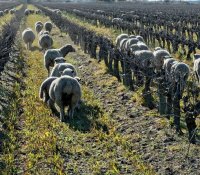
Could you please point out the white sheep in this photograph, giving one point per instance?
(179, 75)
(40, 23)
(159, 57)
(167, 65)
(60, 67)
(142, 46)
(143, 59)
(130, 42)
(196, 67)
(43, 32)
(6, 11)
(12, 11)
(45, 41)
(1, 13)
(140, 38)
(48, 26)
(51, 54)
(120, 38)
(64, 91)
(44, 88)
(28, 37)
(38, 28)
(27, 12)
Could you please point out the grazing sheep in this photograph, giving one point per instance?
(43, 33)
(133, 48)
(157, 48)
(142, 46)
(6, 11)
(1, 13)
(39, 23)
(38, 12)
(159, 57)
(130, 42)
(180, 73)
(59, 68)
(196, 67)
(140, 38)
(44, 88)
(120, 38)
(122, 45)
(28, 37)
(48, 26)
(167, 65)
(64, 91)
(143, 59)
(12, 11)
(38, 28)
(45, 41)
(52, 54)
(27, 12)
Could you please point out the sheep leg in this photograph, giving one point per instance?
(62, 113)
(191, 125)
(176, 106)
(52, 106)
(168, 106)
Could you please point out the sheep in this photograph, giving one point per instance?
(142, 46)
(64, 91)
(180, 73)
(38, 12)
(1, 13)
(196, 67)
(27, 12)
(28, 37)
(133, 48)
(59, 68)
(48, 26)
(38, 28)
(12, 11)
(159, 56)
(39, 23)
(43, 33)
(143, 59)
(6, 11)
(44, 88)
(167, 65)
(122, 45)
(45, 41)
(130, 41)
(52, 54)
(157, 48)
(140, 38)
(120, 38)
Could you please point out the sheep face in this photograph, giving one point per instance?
(66, 49)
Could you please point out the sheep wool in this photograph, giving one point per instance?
(51, 54)
(64, 91)
(28, 37)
